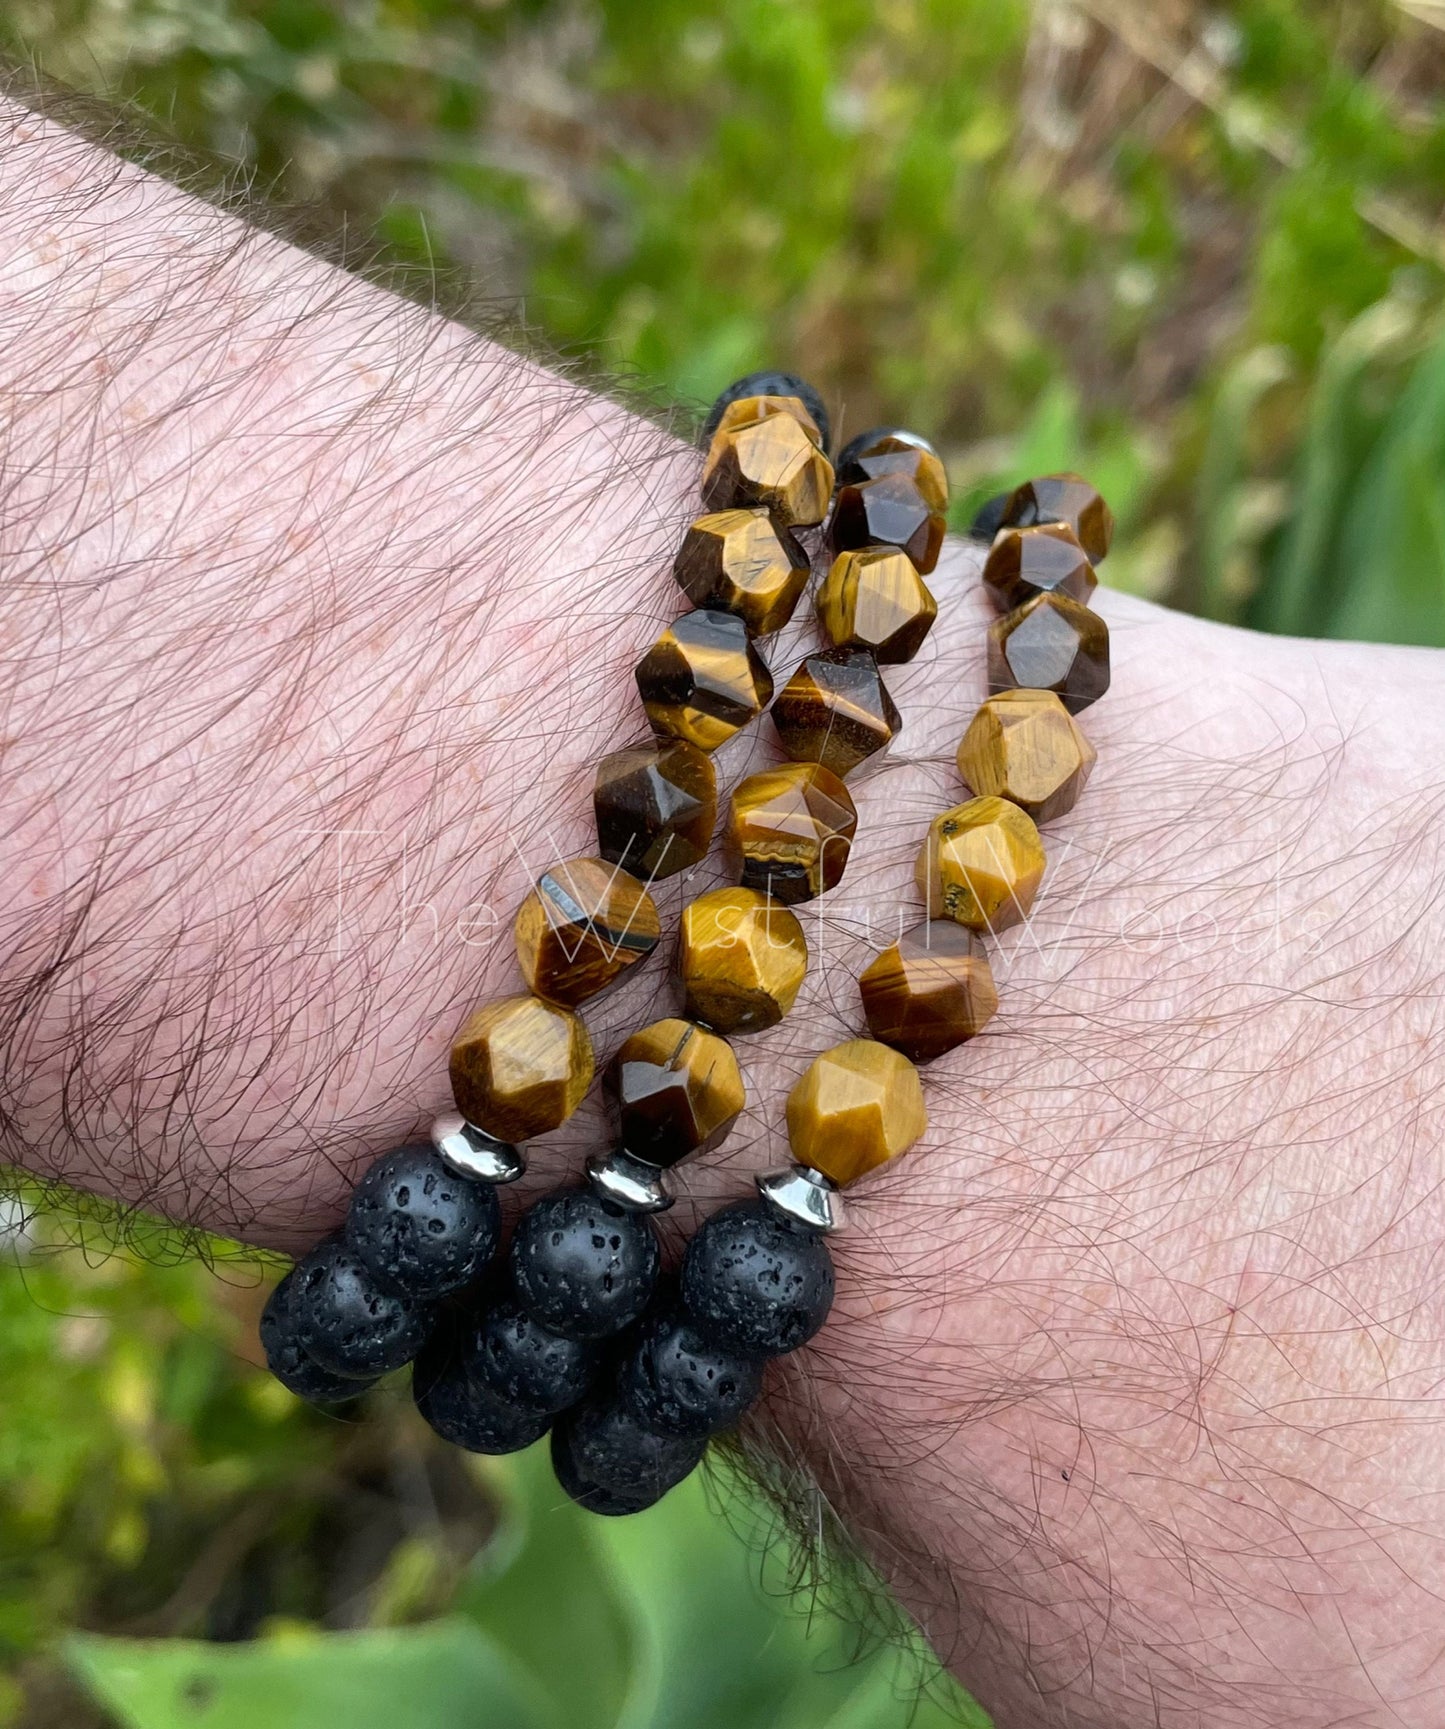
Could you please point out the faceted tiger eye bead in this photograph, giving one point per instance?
(703, 680)
(656, 807)
(738, 561)
(856, 1107)
(929, 992)
(1066, 498)
(875, 599)
(583, 924)
(1024, 562)
(836, 710)
(749, 410)
(520, 1066)
(772, 460)
(894, 450)
(981, 864)
(1051, 643)
(771, 383)
(791, 829)
(1023, 745)
(742, 958)
(678, 1089)
(889, 511)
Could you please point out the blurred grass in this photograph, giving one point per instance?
(1196, 253)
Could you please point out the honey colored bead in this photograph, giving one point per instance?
(856, 1107)
(889, 511)
(1024, 745)
(703, 680)
(929, 992)
(1066, 498)
(769, 382)
(836, 710)
(1051, 643)
(738, 561)
(749, 410)
(742, 958)
(875, 599)
(656, 807)
(894, 450)
(678, 1090)
(581, 927)
(772, 460)
(791, 830)
(981, 864)
(520, 1066)
(1024, 562)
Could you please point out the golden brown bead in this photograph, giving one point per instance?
(1064, 498)
(742, 958)
(836, 710)
(739, 561)
(875, 599)
(981, 864)
(678, 1090)
(894, 450)
(520, 1067)
(791, 830)
(703, 680)
(889, 511)
(1024, 745)
(749, 410)
(929, 992)
(856, 1107)
(772, 460)
(583, 924)
(1051, 643)
(1024, 562)
(656, 807)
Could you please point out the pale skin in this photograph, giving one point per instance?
(1132, 1387)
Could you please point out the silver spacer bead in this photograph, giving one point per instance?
(621, 1177)
(803, 1197)
(472, 1152)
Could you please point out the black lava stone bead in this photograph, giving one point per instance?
(525, 1363)
(989, 518)
(582, 1266)
(421, 1230)
(465, 1410)
(609, 1463)
(291, 1366)
(344, 1319)
(770, 383)
(847, 470)
(677, 1381)
(756, 1284)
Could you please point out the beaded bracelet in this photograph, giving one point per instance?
(580, 1336)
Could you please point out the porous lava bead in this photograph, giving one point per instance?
(610, 1463)
(677, 1381)
(526, 1363)
(464, 1409)
(756, 1284)
(582, 1266)
(421, 1230)
(988, 519)
(293, 1368)
(346, 1322)
(770, 383)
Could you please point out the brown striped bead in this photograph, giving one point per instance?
(678, 1090)
(894, 450)
(981, 864)
(875, 599)
(772, 460)
(520, 1067)
(703, 680)
(930, 991)
(656, 806)
(740, 561)
(1025, 746)
(856, 1107)
(742, 958)
(889, 511)
(581, 927)
(749, 410)
(1024, 562)
(836, 710)
(1051, 643)
(1066, 498)
(791, 830)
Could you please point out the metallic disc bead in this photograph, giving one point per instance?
(740, 561)
(1024, 562)
(874, 598)
(857, 1106)
(1066, 498)
(472, 1152)
(791, 830)
(836, 710)
(703, 680)
(771, 383)
(678, 1090)
(581, 927)
(895, 450)
(1051, 643)
(629, 1182)
(520, 1067)
(772, 460)
(656, 807)
(1025, 746)
(981, 864)
(742, 957)
(803, 1197)
(888, 511)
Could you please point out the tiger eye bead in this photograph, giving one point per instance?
(581, 927)
(856, 1107)
(656, 807)
(520, 1066)
(771, 383)
(1025, 746)
(888, 511)
(678, 1090)
(930, 991)
(703, 680)
(742, 958)
(1066, 498)
(894, 450)
(791, 830)
(738, 561)
(981, 864)
(772, 460)
(1051, 643)
(875, 599)
(749, 410)
(1024, 562)
(836, 710)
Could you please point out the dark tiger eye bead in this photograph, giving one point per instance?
(421, 1230)
(772, 383)
(677, 1381)
(582, 1266)
(756, 1284)
(791, 831)
(703, 680)
(608, 1462)
(930, 991)
(462, 1408)
(1051, 643)
(656, 807)
(582, 926)
(524, 1363)
(678, 1090)
(740, 561)
(345, 1322)
(1066, 498)
(293, 1368)
(889, 511)
(836, 710)
(1024, 562)
(894, 450)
